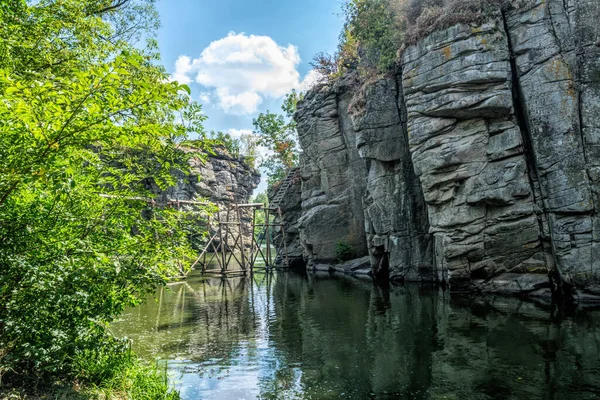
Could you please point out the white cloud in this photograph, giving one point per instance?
(242, 103)
(239, 132)
(182, 69)
(243, 70)
(311, 79)
(205, 97)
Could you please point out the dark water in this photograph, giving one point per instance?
(284, 336)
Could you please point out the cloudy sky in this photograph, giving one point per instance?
(240, 57)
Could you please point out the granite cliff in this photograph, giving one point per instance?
(475, 165)
(219, 178)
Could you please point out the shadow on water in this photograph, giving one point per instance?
(288, 336)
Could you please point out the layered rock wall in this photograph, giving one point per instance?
(220, 179)
(333, 176)
(477, 165)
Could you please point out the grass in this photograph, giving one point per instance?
(100, 378)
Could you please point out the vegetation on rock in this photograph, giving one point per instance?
(344, 251)
(245, 147)
(376, 31)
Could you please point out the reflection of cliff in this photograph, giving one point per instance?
(286, 336)
(476, 165)
(367, 341)
(375, 346)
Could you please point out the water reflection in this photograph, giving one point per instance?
(285, 336)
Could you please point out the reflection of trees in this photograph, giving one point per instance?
(197, 319)
(329, 338)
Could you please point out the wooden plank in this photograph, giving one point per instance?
(268, 236)
(249, 205)
(150, 200)
(241, 235)
(204, 251)
(200, 203)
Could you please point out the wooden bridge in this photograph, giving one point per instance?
(251, 249)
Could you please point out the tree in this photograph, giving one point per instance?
(260, 198)
(376, 27)
(278, 133)
(83, 113)
(233, 145)
(249, 149)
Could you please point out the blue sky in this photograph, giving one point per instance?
(245, 73)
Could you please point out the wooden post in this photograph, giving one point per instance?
(241, 236)
(179, 261)
(222, 243)
(207, 246)
(252, 240)
(268, 234)
(226, 244)
(287, 261)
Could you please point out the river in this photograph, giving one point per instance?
(286, 336)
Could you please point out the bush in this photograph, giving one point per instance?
(344, 252)
(375, 31)
(101, 375)
(107, 374)
(444, 14)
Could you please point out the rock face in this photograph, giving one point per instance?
(333, 177)
(467, 149)
(477, 165)
(286, 233)
(222, 180)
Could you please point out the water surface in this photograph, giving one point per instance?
(284, 336)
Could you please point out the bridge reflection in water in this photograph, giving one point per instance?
(287, 336)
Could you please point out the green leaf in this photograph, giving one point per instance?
(186, 88)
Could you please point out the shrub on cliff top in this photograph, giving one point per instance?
(449, 13)
(376, 31)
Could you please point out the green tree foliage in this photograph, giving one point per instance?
(261, 198)
(249, 149)
(231, 144)
(376, 26)
(245, 147)
(373, 32)
(83, 112)
(277, 132)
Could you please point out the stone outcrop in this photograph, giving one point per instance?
(477, 165)
(333, 176)
(286, 233)
(218, 178)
